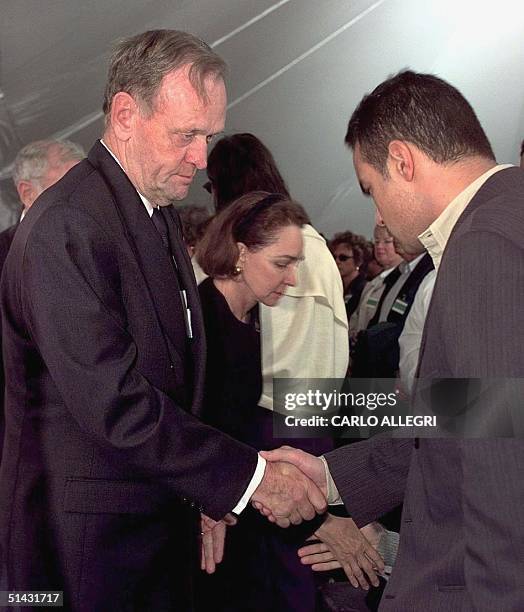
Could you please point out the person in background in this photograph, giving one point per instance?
(389, 259)
(410, 339)
(351, 255)
(194, 220)
(36, 167)
(310, 314)
(373, 267)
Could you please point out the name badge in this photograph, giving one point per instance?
(399, 306)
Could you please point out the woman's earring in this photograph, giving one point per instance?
(237, 270)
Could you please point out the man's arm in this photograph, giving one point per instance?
(74, 307)
(370, 476)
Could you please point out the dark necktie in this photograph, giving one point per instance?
(161, 227)
(389, 281)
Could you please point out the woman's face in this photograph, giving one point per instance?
(345, 260)
(268, 272)
(384, 248)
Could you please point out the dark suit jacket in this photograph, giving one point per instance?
(105, 462)
(6, 237)
(462, 537)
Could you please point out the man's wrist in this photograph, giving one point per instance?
(255, 481)
(333, 496)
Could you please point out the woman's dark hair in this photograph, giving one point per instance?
(240, 164)
(357, 243)
(254, 219)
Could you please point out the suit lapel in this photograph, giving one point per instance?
(187, 276)
(145, 242)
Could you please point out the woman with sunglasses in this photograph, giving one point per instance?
(351, 253)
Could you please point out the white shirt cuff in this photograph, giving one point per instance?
(333, 496)
(253, 484)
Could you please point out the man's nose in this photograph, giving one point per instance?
(196, 153)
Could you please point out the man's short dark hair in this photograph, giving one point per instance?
(421, 109)
(139, 64)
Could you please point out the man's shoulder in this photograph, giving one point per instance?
(496, 209)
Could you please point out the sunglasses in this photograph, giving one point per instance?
(343, 257)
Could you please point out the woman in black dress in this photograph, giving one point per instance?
(250, 252)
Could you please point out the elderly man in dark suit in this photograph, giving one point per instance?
(421, 154)
(107, 467)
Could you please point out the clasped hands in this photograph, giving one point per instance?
(342, 544)
(293, 489)
(286, 495)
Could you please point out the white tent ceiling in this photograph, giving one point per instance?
(297, 70)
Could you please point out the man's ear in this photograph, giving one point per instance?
(124, 111)
(26, 192)
(400, 160)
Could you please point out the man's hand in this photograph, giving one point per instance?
(287, 496)
(344, 546)
(312, 466)
(213, 538)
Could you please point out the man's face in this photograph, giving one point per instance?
(167, 147)
(397, 205)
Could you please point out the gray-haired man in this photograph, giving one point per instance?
(107, 467)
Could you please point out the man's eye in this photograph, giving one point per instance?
(185, 137)
(210, 139)
(282, 266)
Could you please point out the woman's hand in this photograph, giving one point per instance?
(343, 545)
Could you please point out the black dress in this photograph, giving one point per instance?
(261, 570)
(233, 371)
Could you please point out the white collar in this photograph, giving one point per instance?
(145, 201)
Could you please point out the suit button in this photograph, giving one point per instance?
(192, 504)
(184, 500)
(201, 508)
(171, 366)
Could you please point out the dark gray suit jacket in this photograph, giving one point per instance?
(462, 537)
(105, 462)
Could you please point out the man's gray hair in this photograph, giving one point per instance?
(32, 161)
(139, 64)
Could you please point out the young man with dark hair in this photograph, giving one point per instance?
(419, 151)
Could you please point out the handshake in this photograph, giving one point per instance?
(293, 489)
